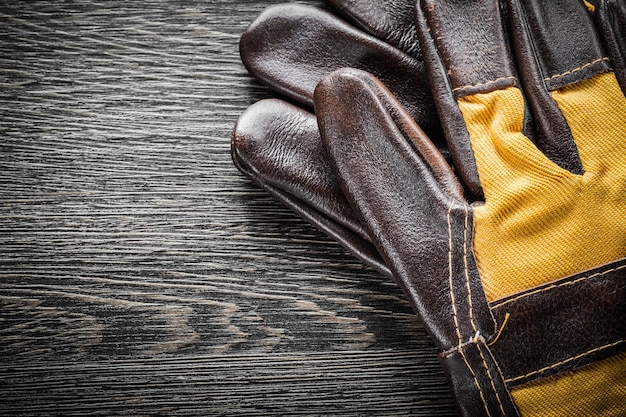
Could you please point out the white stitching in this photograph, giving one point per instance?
(466, 270)
(456, 320)
(554, 365)
(582, 67)
(467, 87)
(450, 276)
(471, 313)
(553, 286)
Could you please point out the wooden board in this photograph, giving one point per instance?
(140, 273)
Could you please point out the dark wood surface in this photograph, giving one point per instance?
(140, 273)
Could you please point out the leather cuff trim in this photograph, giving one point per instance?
(563, 325)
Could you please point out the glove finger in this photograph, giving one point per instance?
(392, 21)
(480, 61)
(573, 72)
(556, 44)
(536, 213)
(292, 47)
(611, 21)
(278, 146)
(567, 47)
(477, 61)
(407, 196)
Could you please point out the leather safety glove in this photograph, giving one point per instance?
(523, 294)
(277, 144)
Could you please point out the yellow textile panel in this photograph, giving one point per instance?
(597, 390)
(540, 222)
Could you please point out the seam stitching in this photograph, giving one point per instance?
(450, 277)
(480, 391)
(471, 308)
(582, 67)
(466, 270)
(501, 329)
(554, 365)
(467, 87)
(553, 286)
(493, 385)
(454, 311)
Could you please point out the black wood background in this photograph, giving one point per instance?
(140, 273)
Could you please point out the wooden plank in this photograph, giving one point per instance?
(140, 273)
(330, 383)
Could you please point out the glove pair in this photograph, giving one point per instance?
(488, 180)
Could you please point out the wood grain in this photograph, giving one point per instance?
(140, 273)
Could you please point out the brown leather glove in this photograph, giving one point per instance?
(292, 47)
(523, 294)
(563, 324)
(277, 144)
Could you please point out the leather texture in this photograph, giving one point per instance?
(476, 380)
(292, 47)
(554, 67)
(611, 21)
(392, 21)
(288, 47)
(457, 40)
(482, 61)
(312, 43)
(394, 178)
(561, 326)
(421, 226)
(419, 222)
(445, 100)
(557, 27)
(278, 146)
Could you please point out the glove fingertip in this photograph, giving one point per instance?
(349, 94)
(269, 50)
